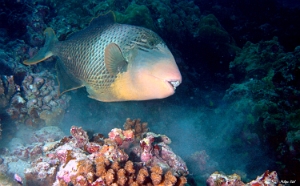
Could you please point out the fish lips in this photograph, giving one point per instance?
(157, 87)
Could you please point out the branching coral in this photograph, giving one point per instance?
(138, 127)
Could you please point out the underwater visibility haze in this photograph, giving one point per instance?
(185, 92)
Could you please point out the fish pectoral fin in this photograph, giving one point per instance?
(46, 51)
(114, 60)
(66, 81)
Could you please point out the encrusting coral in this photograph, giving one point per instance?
(116, 160)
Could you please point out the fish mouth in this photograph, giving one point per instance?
(166, 86)
(174, 83)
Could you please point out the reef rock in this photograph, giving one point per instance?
(38, 101)
(117, 160)
(266, 179)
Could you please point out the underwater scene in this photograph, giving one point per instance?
(149, 92)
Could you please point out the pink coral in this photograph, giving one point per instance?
(40, 173)
(122, 137)
(80, 136)
(92, 147)
(266, 179)
(79, 161)
(154, 150)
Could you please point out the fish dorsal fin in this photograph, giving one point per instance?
(96, 26)
(114, 60)
(66, 81)
(103, 20)
(46, 51)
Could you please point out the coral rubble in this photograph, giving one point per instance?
(266, 179)
(78, 161)
(28, 146)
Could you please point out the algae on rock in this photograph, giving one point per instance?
(135, 14)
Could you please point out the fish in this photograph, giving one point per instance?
(115, 62)
(18, 179)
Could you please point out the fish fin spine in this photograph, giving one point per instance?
(103, 20)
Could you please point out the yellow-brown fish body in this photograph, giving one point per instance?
(115, 62)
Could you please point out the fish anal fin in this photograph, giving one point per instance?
(66, 81)
(101, 95)
(114, 59)
(46, 51)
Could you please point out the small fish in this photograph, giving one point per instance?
(18, 179)
(115, 62)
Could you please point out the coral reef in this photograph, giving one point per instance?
(136, 15)
(216, 39)
(266, 93)
(28, 146)
(35, 143)
(154, 149)
(256, 60)
(0, 129)
(6, 181)
(80, 137)
(38, 102)
(179, 17)
(266, 179)
(7, 89)
(137, 127)
(29, 19)
(78, 161)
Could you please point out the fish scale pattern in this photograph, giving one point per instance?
(83, 52)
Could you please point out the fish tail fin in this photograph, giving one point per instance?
(46, 51)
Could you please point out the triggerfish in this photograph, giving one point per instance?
(115, 62)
